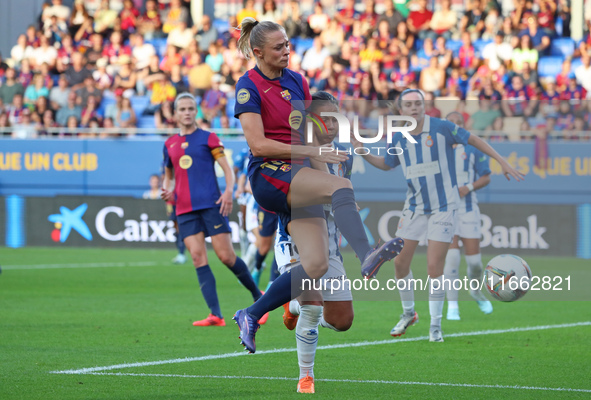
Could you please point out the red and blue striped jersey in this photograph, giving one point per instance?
(192, 157)
(281, 102)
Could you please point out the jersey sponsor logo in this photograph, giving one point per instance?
(424, 169)
(184, 145)
(243, 96)
(286, 95)
(295, 119)
(185, 162)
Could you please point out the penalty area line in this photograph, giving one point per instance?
(325, 347)
(282, 378)
(81, 265)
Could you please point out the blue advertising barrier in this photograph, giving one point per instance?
(122, 167)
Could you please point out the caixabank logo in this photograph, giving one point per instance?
(67, 220)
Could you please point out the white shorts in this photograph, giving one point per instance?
(242, 200)
(439, 226)
(286, 259)
(252, 220)
(468, 225)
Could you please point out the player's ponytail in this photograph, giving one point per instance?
(253, 34)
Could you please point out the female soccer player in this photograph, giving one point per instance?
(431, 202)
(336, 312)
(472, 173)
(280, 174)
(189, 159)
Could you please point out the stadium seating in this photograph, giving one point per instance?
(159, 44)
(221, 25)
(549, 66)
(564, 47)
(575, 63)
(454, 45)
(139, 104)
(146, 121)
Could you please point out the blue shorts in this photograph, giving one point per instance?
(267, 222)
(171, 211)
(270, 183)
(209, 221)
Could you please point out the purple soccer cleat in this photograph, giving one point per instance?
(378, 256)
(248, 328)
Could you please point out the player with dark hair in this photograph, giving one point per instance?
(202, 211)
(270, 103)
(432, 200)
(473, 173)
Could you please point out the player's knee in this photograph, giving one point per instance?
(344, 184)
(317, 269)
(199, 258)
(341, 322)
(227, 258)
(265, 247)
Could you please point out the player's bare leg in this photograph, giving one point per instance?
(436, 252)
(405, 287)
(451, 271)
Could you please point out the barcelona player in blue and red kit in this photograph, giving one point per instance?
(270, 103)
(202, 210)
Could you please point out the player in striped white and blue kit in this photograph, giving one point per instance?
(327, 308)
(473, 173)
(432, 200)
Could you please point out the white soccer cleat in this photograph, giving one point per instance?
(485, 306)
(435, 334)
(404, 323)
(179, 259)
(453, 314)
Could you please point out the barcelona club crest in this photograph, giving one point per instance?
(286, 95)
(285, 167)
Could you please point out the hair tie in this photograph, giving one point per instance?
(255, 23)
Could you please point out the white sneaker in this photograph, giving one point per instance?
(453, 314)
(485, 306)
(404, 323)
(179, 259)
(435, 334)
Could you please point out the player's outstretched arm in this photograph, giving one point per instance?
(376, 161)
(486, 148)
(479, 183)
(225, 201)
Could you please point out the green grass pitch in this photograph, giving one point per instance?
(70, 309)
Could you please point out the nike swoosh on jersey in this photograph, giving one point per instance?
(217, 226)
(268, 89)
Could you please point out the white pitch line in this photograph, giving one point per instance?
(325, 347)
(80, 265)
(282, 378)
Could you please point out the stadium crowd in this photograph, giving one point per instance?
(120, 63)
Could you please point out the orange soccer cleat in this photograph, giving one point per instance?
(289, 320)
(211, 320)
(306, 385)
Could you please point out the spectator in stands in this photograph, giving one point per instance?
(383, 35)
(484, 117)
(180, 36)
(126, 117)
(426, 53)
(405, 38)
(467, 55)
(125, 79)
(214, 59)
(20, 50)
(565, 119)
(57, 9)
(70, 109)
(492, 24)
(150, 24)
(247, 11)
(231, 53)
(530, 77)
(25, 76)
(96, 50)
(35, 90)
(419, 20)
(346, 16)
(116, 48)
(518, 100)
(25, 127)
(174, 16)
(4, 123)
(370, 54)
(129, 16)
(47, 123)
(64, 54)
(473, 20)
(583, 74)
(89, 90)
(524, 53)
(574, 92)
(293, 22)
(325, 78)
(539, 38)
(79, 15)
(147, 76)
(207, 34)
(430, 108)
(314, 57)
(104, 18)
(32, 37)
(15, 110)
(270, 12)
(89, 112)
(142, 52)
(44, 53)
(162, 90)
(369, 17)
(333, 37)
(176, 79)
(77, 72)
(102, 78)
(318, 21)
(58, 96)
(41, 105)
(356, 39)
(549, 98)
(214, 100)
(84, 33)
(72, 125)
(171, 58)
(10, 87)
(403, 77)
(164, 116)
(154, 192)
(497, 52)
(444, 21)
(200, 77)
